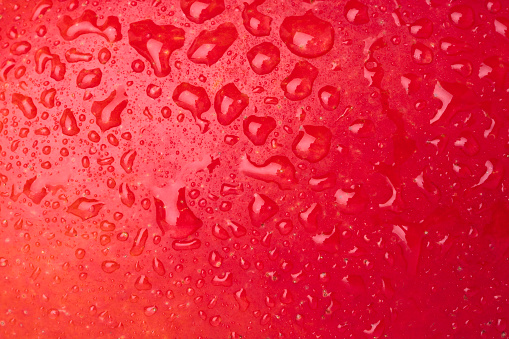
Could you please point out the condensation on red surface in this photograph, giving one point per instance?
(268, 169)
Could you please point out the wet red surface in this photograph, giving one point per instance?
(268, 169)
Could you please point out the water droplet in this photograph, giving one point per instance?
(329, 97)
(462, 16)
(89, 78)
(85, 208)
(241, 298)
(421, 28)
(194, 99)
(229, 104)
(309, 217)
(307, 36)
(356, 12)
(127, 161)
(48, 97)
(80, 253)
(209, 46)
(158, 266)
(261, 208)
(225, 280)
(172, 213)
(421, 54)
(199, 11)
(215, 321)
(20, 48)
(142, 283)
(257, 129)
(186, 245)
(154, 91)
(256, 23)
(126, 195)
(220, 232)
(72, 55)
(139, 242)
(109, 266)
(277, 169)
(312, 143)
(299, 84)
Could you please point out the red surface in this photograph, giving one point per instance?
(210, 169)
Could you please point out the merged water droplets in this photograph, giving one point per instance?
(25, 104)
(156, 43)
(71, 29)
(42, 57)
(194, 99)
(277, 169)
(172, 213)
(108, 111)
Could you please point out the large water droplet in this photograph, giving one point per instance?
(229, 104)
(199, 11)
(68, 123)
(85, 208)
(312, 143)
(209, 46)
(261, 208)
(307, 36)
(89, 78)
(299, 84)
(356, 12)
(462, 16)
(256, 23)
(25, 104)
(257, 129)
